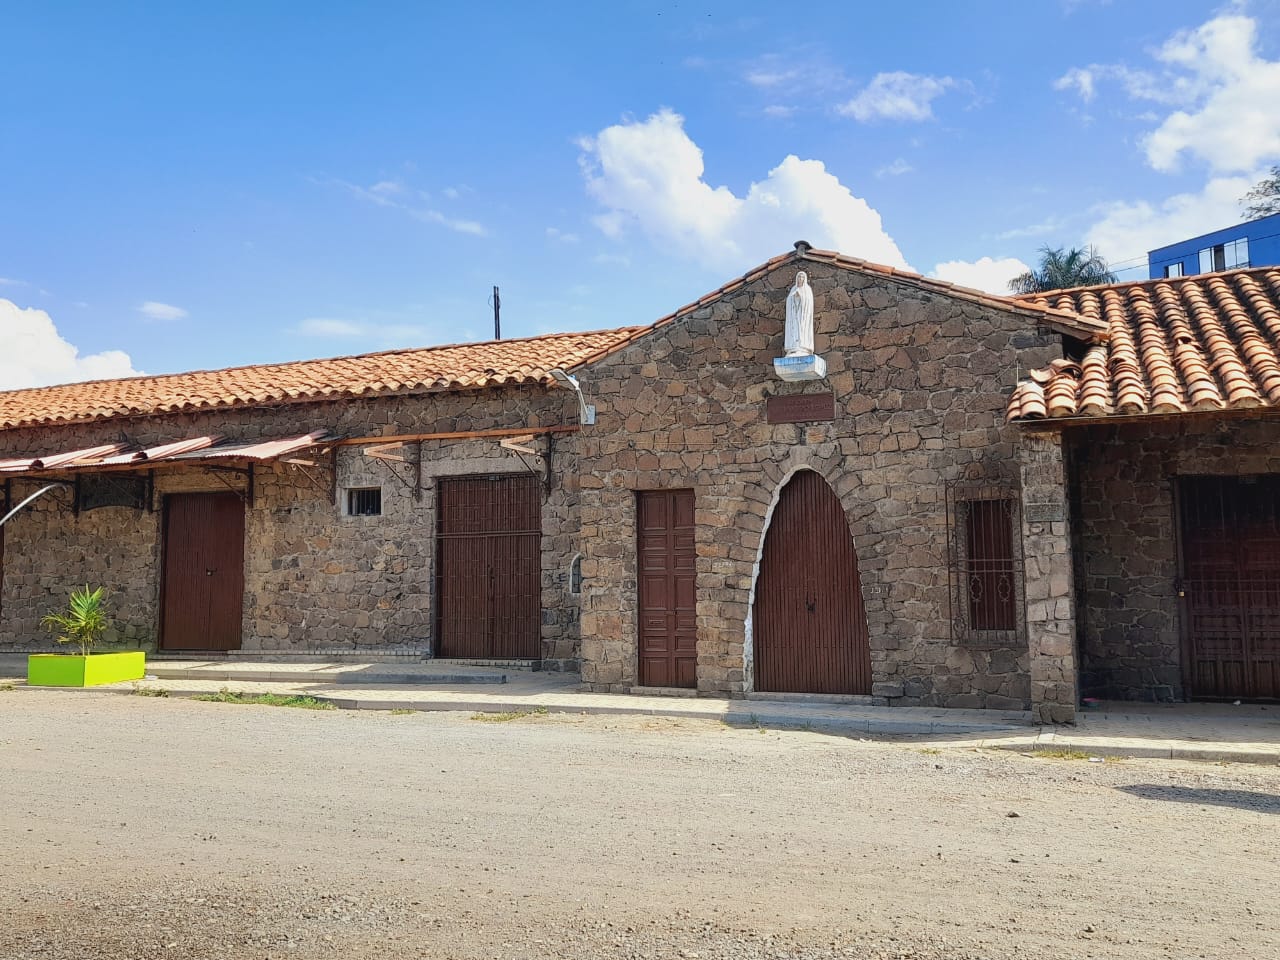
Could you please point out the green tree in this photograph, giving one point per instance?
(1264, 199)
(1059, 269)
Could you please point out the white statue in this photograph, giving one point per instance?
(799, 335)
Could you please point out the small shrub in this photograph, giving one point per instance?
(139, 691)
(1057, 754)
(266, 700)
(509, 715)
(83, 622)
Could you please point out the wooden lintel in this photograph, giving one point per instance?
(456, 435)
(1196, 417)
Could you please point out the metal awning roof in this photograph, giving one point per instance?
(192, 450)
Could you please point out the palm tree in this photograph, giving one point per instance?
(1059, 269)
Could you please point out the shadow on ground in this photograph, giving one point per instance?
(1206, 796)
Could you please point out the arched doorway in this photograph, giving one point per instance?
(809, 623)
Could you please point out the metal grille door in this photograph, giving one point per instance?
(203, 572)
(1230, 549)
(810, 627)
(489, 568)
(667, 577)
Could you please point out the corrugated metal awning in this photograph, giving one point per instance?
(192, 450)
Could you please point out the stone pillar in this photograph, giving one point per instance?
(1046, 545)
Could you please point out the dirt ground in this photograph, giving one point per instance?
(151, 828)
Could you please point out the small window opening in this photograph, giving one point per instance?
(575, 575)
(364, 502)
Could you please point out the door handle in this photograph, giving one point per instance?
(210, 571)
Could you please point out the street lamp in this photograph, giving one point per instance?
(586, 411)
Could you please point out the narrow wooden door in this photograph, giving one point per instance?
(809, 623)
(202, 607)
(1230, 548)
(666, 560)
(489, 568)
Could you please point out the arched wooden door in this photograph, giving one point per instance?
(810, 627)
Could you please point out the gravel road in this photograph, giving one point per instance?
(151, 828)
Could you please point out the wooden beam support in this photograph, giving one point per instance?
(456, 435)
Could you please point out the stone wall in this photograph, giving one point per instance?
(920, 383)
(316, 579)
(1123, 480)
(1046, 544)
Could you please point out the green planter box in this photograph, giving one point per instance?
(73, 670)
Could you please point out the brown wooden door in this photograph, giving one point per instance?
(489, 568)
(810, 627)
(202, 608)
(1230, 550)
(667, 562)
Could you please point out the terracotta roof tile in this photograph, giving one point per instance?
(431, 369)
(1203, 342)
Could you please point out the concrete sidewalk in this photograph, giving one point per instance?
(1216, 732)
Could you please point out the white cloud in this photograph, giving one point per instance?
(612, 259)
(328, 327)
(897, 96)
(1081, 79)
(895, 169)
(770, 78)
(555, 233)
(779, 111)
(1223, 96)
(453, 223)
(161, 311)
(1126, 231)
(1041, 229)
(10, 282)
(396, 195)
(1233, 122)
(37, 355)
(985, 273)
(649, 174)
(379, 334)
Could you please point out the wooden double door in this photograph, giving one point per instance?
(1230, 584)
(203, 593)
(489, 568)
(666, 560)
(809, 623)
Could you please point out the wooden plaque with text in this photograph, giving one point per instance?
(800, 408)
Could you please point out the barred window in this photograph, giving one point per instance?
(990, 564)
(575, 575)
(985, 564)
(364, 501)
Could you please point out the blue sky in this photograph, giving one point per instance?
(186, 186)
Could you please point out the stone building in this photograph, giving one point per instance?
(1169, 427)
(918, 522)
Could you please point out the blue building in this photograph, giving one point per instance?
(1252, 244)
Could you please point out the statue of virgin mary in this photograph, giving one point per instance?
(799, 333)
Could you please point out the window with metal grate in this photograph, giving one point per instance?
(985, 564)
(364, 501)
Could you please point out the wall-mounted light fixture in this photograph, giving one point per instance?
(586, 411)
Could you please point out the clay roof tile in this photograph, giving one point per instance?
(1173, 345)
(453, 367)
